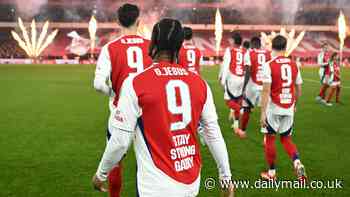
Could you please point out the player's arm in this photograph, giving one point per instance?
(123, 131)
(215, 140)
(102, 72)
(265, 94)
(225, 67)
(298, 83)
(247, 67)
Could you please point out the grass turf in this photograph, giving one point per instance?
(52, 134)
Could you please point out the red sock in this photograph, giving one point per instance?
(115, 181)
(270, 150)
(323, 91)
(235, 106)
(289, 147)
(330, 94)
(244, 120)
(337, 94)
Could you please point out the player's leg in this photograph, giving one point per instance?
(244, 118)
(115, 181)
(337, 94)
(233, 98)
(330, 95)
(115, 175)
(286, 126)
(270, 147)
(323, 89)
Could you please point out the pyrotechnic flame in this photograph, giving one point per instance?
(21, 43)
(218, 31)
(292, 42)
(341, 30)
(33, 47)
(48, 41)
(92, 31)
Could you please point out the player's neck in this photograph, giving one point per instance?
(163, 56)
(189, 42)
(129, 31)
(236, 46)
(278, 53)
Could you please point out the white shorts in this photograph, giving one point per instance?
(252, 94)
(233, 87)
(281, 124)
(335, 83)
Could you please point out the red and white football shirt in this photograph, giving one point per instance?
(124, 56)
(190, 56)
(256, 59)
(165, 116)
(283, 74)
(237, 61)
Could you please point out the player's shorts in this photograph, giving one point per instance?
(281, 124)
(335, 83)
(252, 95)
(233, 87)
(325, 79)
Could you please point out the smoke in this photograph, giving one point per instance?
(29, 8)
(289, 11)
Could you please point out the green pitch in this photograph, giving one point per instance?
(52, 135)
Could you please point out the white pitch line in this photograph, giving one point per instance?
(316, 81)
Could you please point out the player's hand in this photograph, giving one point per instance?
(227, 188)
(263, 120)
(98, 184)
(228, 192)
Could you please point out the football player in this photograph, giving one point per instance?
(127, 55)
(335, 86)
(324, 72)
(189, 55)
(161, 120)
(232, 79)
(254, 60)
(281, 89)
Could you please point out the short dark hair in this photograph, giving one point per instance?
(128, 14)
(255, 42)
(237, 38)
(279, 43)
(167, 35)
(246, 44)
(187, 33)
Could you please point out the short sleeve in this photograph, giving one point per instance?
(266, 74)
(128, 111)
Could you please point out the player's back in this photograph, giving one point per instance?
(166, 141)
(128, 55)
(284, 76)
(189, 56)
(258, 57)
(237, 61)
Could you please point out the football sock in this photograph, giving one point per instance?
(235, 124)
(337, 94)
(115, 181)
(234, 105)
(330, 94)
(323, 91)
(270, 150)
(272, 172)
(244, 119)
(289, 147)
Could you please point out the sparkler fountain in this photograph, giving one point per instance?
(32, 45)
